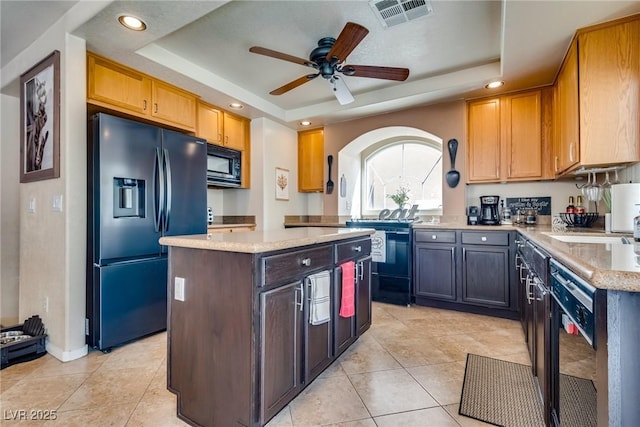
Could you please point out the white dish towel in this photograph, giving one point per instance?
(320, 296)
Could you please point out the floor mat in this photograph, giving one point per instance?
(500, 393)
(505, 394)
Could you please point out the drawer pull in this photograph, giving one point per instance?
(483, 238)
(434, 237)
(306, 262)
(357, 248)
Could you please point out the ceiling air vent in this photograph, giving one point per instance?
(394, 12)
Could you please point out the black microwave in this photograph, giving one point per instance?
(223, 166)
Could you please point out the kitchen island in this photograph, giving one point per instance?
(242, 338)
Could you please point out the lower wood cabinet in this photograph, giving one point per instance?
(485, 276)
(241, 344)
(282, 356)
(466, 270)
(435, 271)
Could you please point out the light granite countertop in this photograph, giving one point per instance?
(266, 240)
(613, 266)
(240, 225)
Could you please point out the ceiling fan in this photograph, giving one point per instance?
(328, 58)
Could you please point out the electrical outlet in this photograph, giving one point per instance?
(178, 293)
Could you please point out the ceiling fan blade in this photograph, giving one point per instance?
(351, 35)
(341, 91)
(294, 84)
(388, 73)
(279, 55)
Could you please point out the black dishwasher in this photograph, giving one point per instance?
(574, 385)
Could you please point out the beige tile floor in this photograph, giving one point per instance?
(407, 370)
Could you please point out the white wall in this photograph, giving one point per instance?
(272, 144)
(9, 209)
(559, 191)
(52, 245)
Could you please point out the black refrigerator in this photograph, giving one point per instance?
(144, 182)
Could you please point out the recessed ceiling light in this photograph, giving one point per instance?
(236, 105)
(132, 22)
(494, 85)
(305, 123)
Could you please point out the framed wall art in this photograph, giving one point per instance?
(40, 120)
(282, 184)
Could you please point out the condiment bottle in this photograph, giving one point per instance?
(570, 207)
(579, 218)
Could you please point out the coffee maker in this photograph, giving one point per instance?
(489, 211)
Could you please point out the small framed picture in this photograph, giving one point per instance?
(40, 120)
(282, 184)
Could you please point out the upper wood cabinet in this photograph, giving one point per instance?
(311, 161)
(483, 152)
(223, 128)
(210, 123)
(567, 131)
(508, 136)
(116, 87)
(173, 105)
(598, 89)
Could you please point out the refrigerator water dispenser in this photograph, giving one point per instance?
(128, 198)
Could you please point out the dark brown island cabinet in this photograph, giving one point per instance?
(240, 342)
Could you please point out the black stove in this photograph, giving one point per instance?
(391, 258)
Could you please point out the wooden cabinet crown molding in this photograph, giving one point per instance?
(119, 88)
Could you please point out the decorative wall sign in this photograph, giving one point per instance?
(542, 205)
(282, 184)
(40, 120)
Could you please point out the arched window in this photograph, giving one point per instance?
(415, 166)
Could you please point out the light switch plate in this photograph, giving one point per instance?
(31, 207)
(178, 293)
(56, 203)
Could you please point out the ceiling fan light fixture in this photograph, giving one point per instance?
(132, 22)
(494, 85)
(341, 91)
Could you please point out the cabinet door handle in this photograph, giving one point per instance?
(144, 105)
(301, 303)
(555, 164)
(509, 171)
(360, 270)
(306, 262)
(226, 139)
(357, 248)
(219, 137)
(155, 107)
(571, 152)
(497, 172)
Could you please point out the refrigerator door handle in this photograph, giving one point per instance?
(158, 191)
(167, 169)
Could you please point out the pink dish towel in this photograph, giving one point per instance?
(347, 302)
